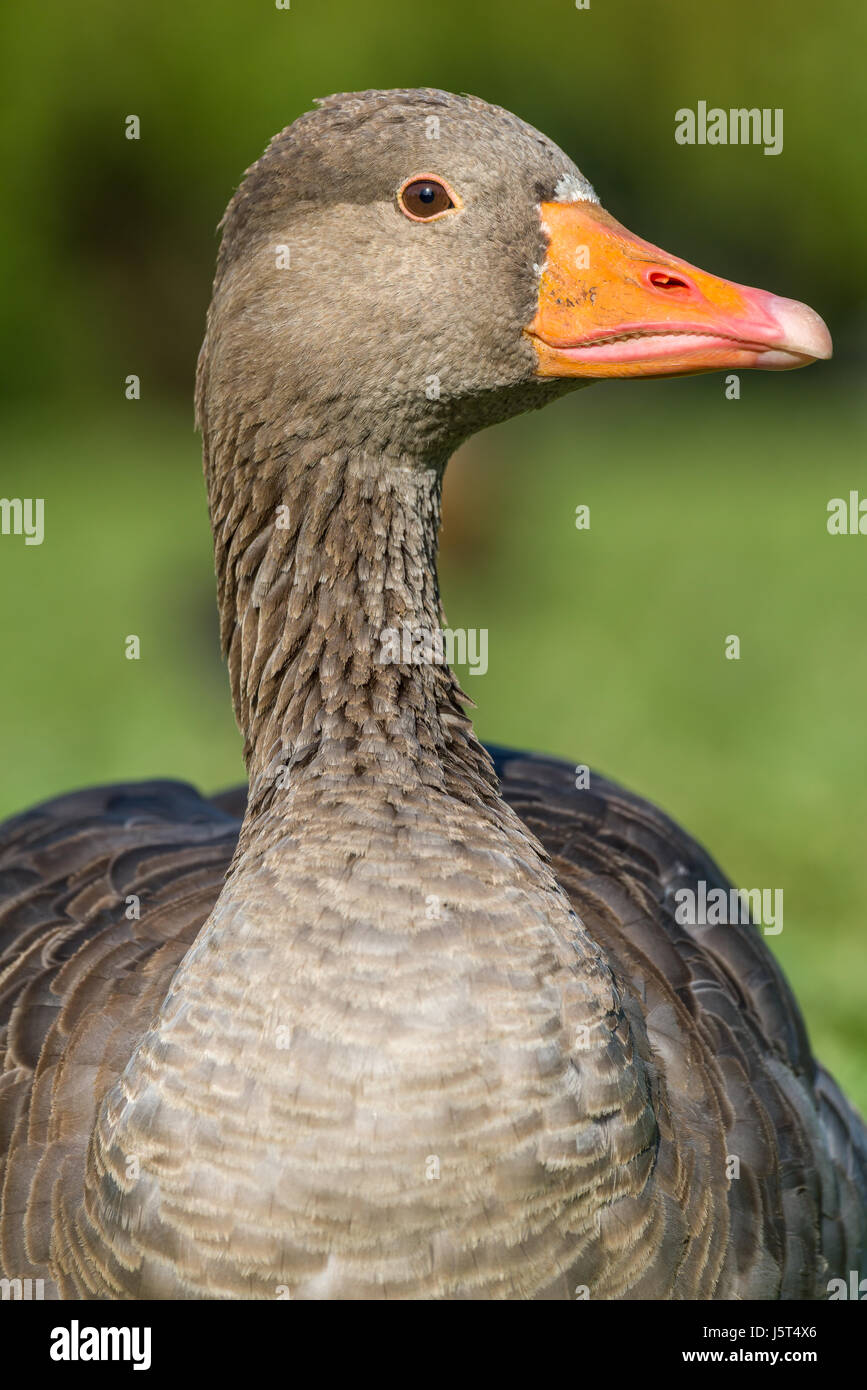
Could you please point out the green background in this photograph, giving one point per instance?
(708, 515)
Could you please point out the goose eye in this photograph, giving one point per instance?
(425, 198)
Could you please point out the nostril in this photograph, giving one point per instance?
(661, 280)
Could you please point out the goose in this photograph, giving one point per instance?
(409, 1018)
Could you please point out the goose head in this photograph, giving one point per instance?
(411, 266)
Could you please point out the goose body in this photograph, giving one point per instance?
(411, 1018)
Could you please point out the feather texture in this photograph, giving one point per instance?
(728, 1069)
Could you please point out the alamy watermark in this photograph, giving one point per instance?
(711, 907)
(23, 516)
(847, 516)
(738, 126)
(77, 1343)
(24, 1290)
(441, 646)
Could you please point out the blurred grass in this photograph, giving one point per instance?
(605, 646)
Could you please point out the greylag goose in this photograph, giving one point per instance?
(419, 1019)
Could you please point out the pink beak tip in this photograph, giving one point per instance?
(803, 332)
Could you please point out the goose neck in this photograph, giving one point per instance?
(331, 621)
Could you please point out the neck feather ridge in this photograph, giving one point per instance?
(320, 554)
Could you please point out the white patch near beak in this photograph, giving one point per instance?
(574, 188)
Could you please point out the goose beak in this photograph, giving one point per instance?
(612, 305)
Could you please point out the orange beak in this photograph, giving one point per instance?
(612, 305)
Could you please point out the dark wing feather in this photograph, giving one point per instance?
(798, 1209)
(81, 974)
